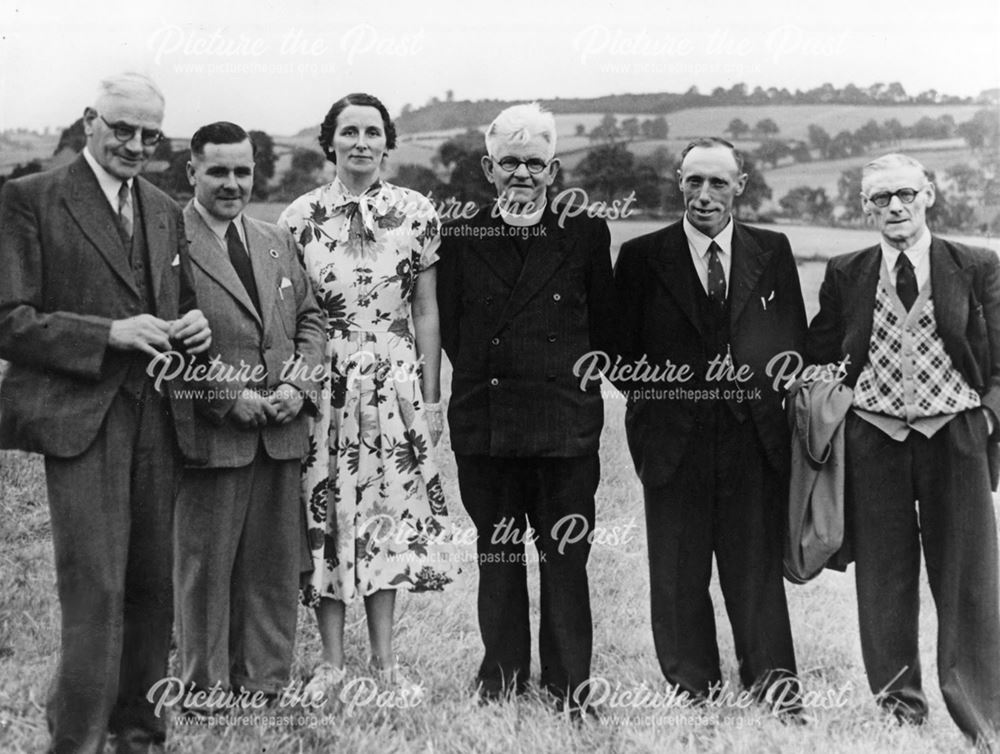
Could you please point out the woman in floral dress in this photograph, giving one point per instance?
(373, 497)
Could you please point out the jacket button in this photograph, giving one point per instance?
(552, 338)
(488, 299)
(556, 297)
(494, 382)
(495, 341)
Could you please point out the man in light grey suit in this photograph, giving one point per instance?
(239, 527)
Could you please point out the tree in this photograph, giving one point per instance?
(819, 139)
(264, 160)
(766, 127)
(894, 130)
(772, 151)
(736, 128)
(849, 195)
(800, 152)
(871, 133)
(755, 191)
(419, 178)
(73, 138)
(630, 128)
(302, 174)
(807, 203)
(606, 173)
(982, 131)
(461, 159)
(606, 130)
(844, 144)
(658, 128)
(581, 130)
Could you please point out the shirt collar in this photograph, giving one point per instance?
(219, 227)
(520, 219)
(916, 253)
(110, 185)
(701, 242)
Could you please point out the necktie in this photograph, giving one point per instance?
(125, 209)
(716, 277)
(241, 263)
(906, 281)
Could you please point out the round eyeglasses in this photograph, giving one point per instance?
(883, 198)
(510, 164)
(149, 137)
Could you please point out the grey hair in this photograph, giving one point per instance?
(128, 84)
(890, 161)
(520, 123)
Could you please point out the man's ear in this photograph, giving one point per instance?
(932, 194)
(190, 172)
(553, 169)
(89, 114)
(741, 184)
(487, 163)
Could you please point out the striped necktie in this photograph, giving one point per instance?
(125, 209)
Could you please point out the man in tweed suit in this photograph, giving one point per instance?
(524, 294)
(918, 320)
(95, 282)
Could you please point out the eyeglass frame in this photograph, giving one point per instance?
(546, 164)
(891, 194)
(118, 128)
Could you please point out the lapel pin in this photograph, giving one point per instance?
(273, 253)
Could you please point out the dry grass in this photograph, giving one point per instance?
(438, 639)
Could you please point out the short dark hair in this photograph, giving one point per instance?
(361, 99)
(709, 142)
(220, 132)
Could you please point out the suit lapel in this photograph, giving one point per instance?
(859, 306)
(265, 267)
(749, 260)
(672, 261)
(155, 225)
(498, 254)
(208, 253)
(950, 284)
(88, 206)
(545, 256)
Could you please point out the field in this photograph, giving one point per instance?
(437, 638)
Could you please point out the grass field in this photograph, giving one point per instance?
(437, 637)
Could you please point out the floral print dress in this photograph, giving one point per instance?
(373, 498)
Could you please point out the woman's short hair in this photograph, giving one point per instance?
(329, 126)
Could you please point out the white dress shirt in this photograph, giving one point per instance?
(698, 243)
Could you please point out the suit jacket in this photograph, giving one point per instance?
(514, 331)
(660, 319)
(284, 342)
(66, 276)
(965, 288)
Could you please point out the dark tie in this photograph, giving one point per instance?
(906, 280)
(125, 209)
(241, 263)
(716, 277)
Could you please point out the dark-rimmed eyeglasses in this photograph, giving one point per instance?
(510, 164)
(149, 137)
(883, 198)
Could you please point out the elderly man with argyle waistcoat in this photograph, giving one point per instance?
(917, 319)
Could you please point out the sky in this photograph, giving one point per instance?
(278, 66)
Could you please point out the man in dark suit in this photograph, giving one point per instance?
(717, 300)
(94, 281)
(917, 319)
(239, 524)
(524, 294)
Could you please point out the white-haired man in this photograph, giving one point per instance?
(918, 320)
(524, 294)
(95, 284)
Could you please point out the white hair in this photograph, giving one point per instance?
(519, 124)
(128, 84)
(888, 162)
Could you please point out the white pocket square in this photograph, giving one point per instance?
(177, 260)
(286, 283)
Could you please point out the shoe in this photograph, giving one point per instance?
(324, 681)
(395, 679)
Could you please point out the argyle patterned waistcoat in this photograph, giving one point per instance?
(909, 373)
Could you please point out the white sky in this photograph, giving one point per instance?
(278, 66)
